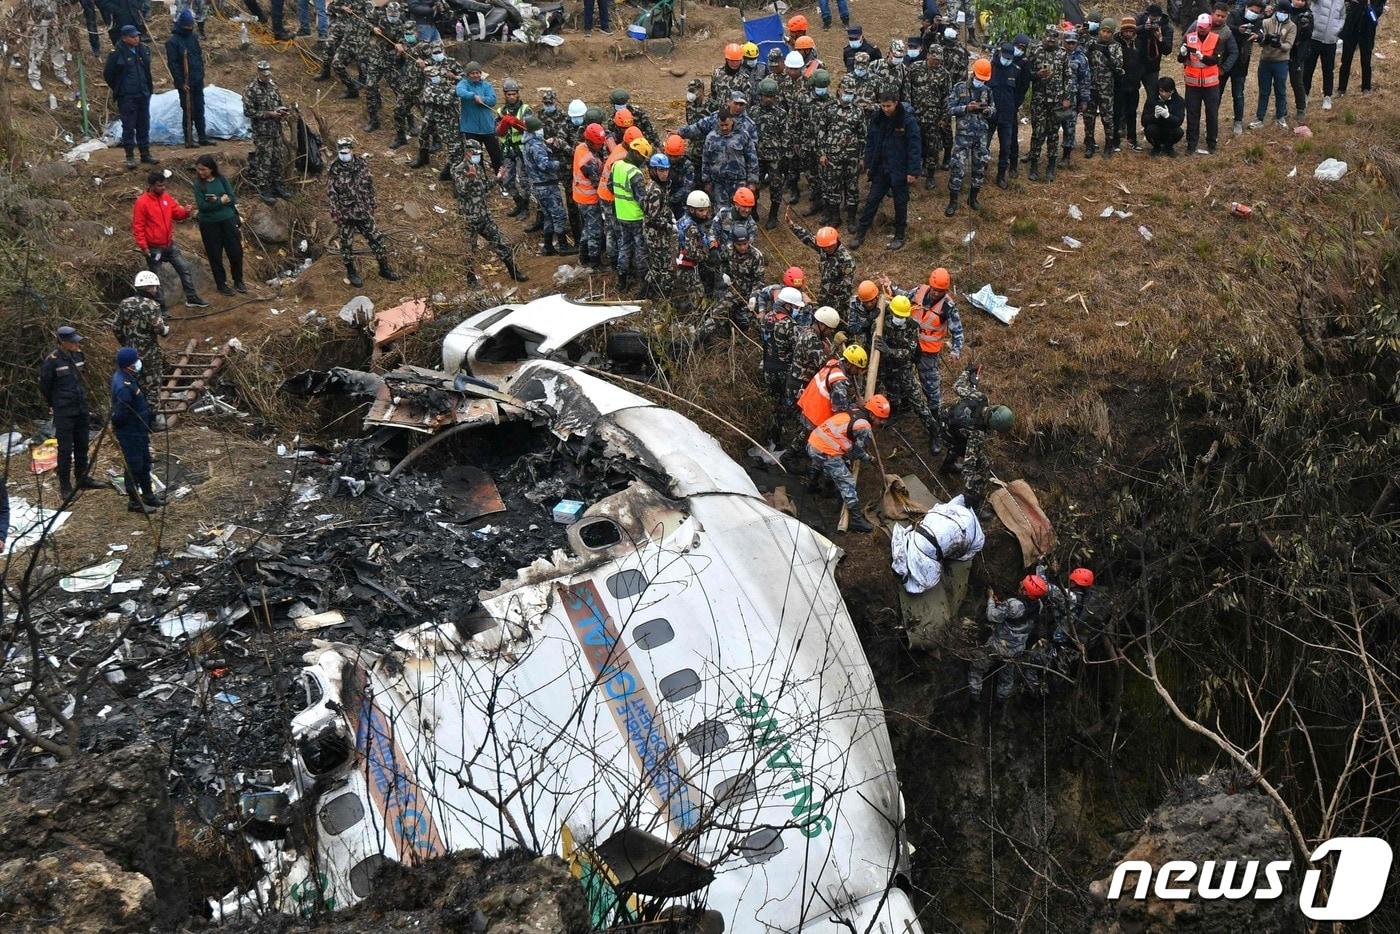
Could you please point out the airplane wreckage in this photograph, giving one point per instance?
(677, 702)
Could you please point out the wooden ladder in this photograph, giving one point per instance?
(193, 372)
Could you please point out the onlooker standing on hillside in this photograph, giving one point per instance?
(61, 385)
(1154, 39)
(1328, 17)
(1125, 92)
(604, 12)
(1244, 25)
(121, 14)
(1302, 16)
(153, 219)
(186, 60)
(128, 74)
(1202, 49)
(46, 39)
(1275, 42)
(478, 120)
(1359, 32)
(217, 205)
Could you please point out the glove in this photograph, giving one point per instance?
(1209, 60)
(725, 277)
(880, 345)
(1162, 113)
(753, 304)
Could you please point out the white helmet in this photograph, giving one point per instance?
(697, 199)
(577, 108)
(794, 59)
(827, 315)
(145, 277)
(791, 296)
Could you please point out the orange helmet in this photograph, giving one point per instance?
(733, 52)
(867, 291)
(827, 236)
(878, 406)
(675, 145)
(1081, 577)
(633, 133)
(982, 69)
(794, 277)
(803, 43)
(744, 198)
(939, 279)
(797, 24)
(1034, 586)
(623, 118)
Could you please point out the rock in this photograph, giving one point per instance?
(1202, 820)
(37, 210)
(170, 286)
(52, 172)
(75, 890)
(412, 210)
(85, 232)
(271, 223)
(118, 804)
(357, 311)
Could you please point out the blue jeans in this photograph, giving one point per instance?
(427, 32)
(1273, 75)
(825, 7)
(604, 12)
(304, 17)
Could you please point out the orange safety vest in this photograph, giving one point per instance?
(815, 401)
(812, 67)
(833, 436)
(585, 190)
(933, 330)
(604, 190)
(1201, 76)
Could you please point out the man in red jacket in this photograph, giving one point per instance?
(153, 220)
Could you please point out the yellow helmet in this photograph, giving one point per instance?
(750, 50)
(899, 306)
(856, 356)
(641, 147)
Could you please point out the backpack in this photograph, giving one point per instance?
(309, 160)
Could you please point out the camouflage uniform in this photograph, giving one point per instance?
(863, 85)
(726, 219)
(543, 173)
(140, 323)
(695, 111)
(897, 375)
(956, 62)
(1080, 90)
(809, 351)
(841, 141)
(796, 103)
(591, 215)
(776, 334)
(350, 187)
(517, 181)
(46, 40)
(471, 183)
(927, 363)
(381, 58)
(441, 109)
(681, 184)
(642, 121)
(772, 122)
(891, 72)
(260, 101)
(561, 142)
(1105, 67)
(745, 271)
(693, 251)
(924, 84)
(728, 163)
(723, 82)
(816, 113)
(860, 321)
(1012, 624)
(407, 81)
(659, 228)
(837, 269)
(355, 37)
(965, 423)
(1048, 95)
(970, 145)
(836, 466)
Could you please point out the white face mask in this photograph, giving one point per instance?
(862, 72)
(847, 98)
(1005, 62)
(690, 97)
(912, 54)
(475, 160)
(1281, 16)
(1093, 26)
(344, 156)
(853, 43)
(950, 33)
(577, 121)
(137, 366)
(978, 83)
(1251, 15)
(1018, 51)
(439, 56)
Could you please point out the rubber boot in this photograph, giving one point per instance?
(386, 272)
(857, 240)
(1034, 173)
(1050, 170)
(1001, 177)
(325, 73)
(422, 159)
(538, 225)
(445, 173)
(772, 220)
(852, 216)
(1064, 154)
(563, 247)
(514, 270)
(135, 505)
(353, 274)
(549, 246)
(400, 140)
(856, 523)
(280, 191)
(952, 207)
(972, 199)
(373, 119)
(929, 180)
(268, 195)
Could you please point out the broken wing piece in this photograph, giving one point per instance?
(543, 328)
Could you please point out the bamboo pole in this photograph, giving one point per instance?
(872, 376)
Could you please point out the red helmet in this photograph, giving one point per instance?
(1081, 577)
(878, 406)
(743, 197)
(675, 145)
(940, 279)
(1034, 586)
(797, 24)
(594, 134)
(794, 277)
(623, 118)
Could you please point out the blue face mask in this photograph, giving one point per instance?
(820, 92)
(854, 43)
(1018, 51)
(550, 108)
(861, 72)
(577, 121)
(1281, 16)
(617, 107)
(410, 39)
(847, 98)
(1005, 62)
(911, 54)
(978, 83)
(1251, 15)
(1093, 26)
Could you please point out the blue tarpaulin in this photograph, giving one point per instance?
(223, 117)
(766, 32)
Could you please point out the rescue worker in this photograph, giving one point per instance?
(407, 81)
(939, 323)
(1105, 70)
(863, 83)
(755, 69)
(561, 146)
(728, 77)
(796, 99)
(516, 180)
(1012, 621)
(893, 159)
(841, 439)
(381, 57)
(1200, 54)
(141, 322)
(836, 266)
(743, 266)
(131, 423)
(861, 312)
(956, 62)
(46, 40)
(776, 335)
(616, 152)
(965, 424)
(1081, 85)
(971, 103)
(353, 46)
(622, 98)
(471, 181)
(770, 118)
(587, 174)
(1050, 97)
(627, 184)
(441, 111)
(542, 172)
(350, 189)
(728, 160)
(696, 105)
(1009, 84)
(693, 252)
(840, 140)
(681, 178)
(738, 213)
(835, 387)
(856, 44)
(898, 375)
(185, 58)
(61, 385)
(812, 345)
(891, 72)
(659, 227)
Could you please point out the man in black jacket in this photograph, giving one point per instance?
(128, 74)
(894, 159)
(61, 384)
(856, 43)
(1244, 25)
(1154, 39)
(1162, 117)
(121, 13)
(186, 60)
(1302, 18)
(1126, 88)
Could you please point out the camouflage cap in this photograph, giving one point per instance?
(264, 65)
(695, 84)
(739, 233)
(547, 94)
(848, 83)
(862, 58)
(345, 142)
(472, 145)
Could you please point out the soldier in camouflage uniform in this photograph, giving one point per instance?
(770, 118)
(731, 76)
(381, 56)
(795, 98)
(1105, 68)
(1050, 94)
(471, 183)
(1012, 624)
(46, 40)
(441, 110)
(776, 334)
(659, 228)
(836, 266)
(697, 107)
(262, 105)
(407, 80)
(956, 62)
(621, 97)
(820, 101)
(966, 423)
(744, 266)
(840, 134)
(863, 82)
(140, 322)
(355, 24)
(559, 137)
(922, 90)
(542, 171)
(738, 213)
(692, 253)
(891, 72)
(350, 188)
(971, 103)
(1080, 88)
(729, 160)
(898, 380)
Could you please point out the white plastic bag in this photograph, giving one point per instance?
(1331, 170)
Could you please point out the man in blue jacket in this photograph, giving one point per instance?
(131, 423)
(1009, 84)
(128, 74)
(479, 112)
(893, 159)
(186, 60)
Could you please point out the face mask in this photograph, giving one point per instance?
(854, 43)
(437, 79)
(343, 156)
(978, 83)
(820, 92)
(439, 56)
(1093, 27)
(847, 98)
(950, 33)
(410, 39)
(137, 366)
(1251, 15)
(911, 55)
(862, 72)
(551, 108)
(475, 160)
(1281, 16)
(1017, 52)
(690, 97)
(1005, 62)
(617, 107)
(393, 19)
(576, 121)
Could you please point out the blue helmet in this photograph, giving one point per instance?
(126, 356)
(660, 161)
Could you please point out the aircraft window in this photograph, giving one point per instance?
(627, 584)
(762, 845)
(362, 875)
(679, 685)
(707, 737)
(652, 633)
(600, 533)
(342, 813)
(731, 791)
